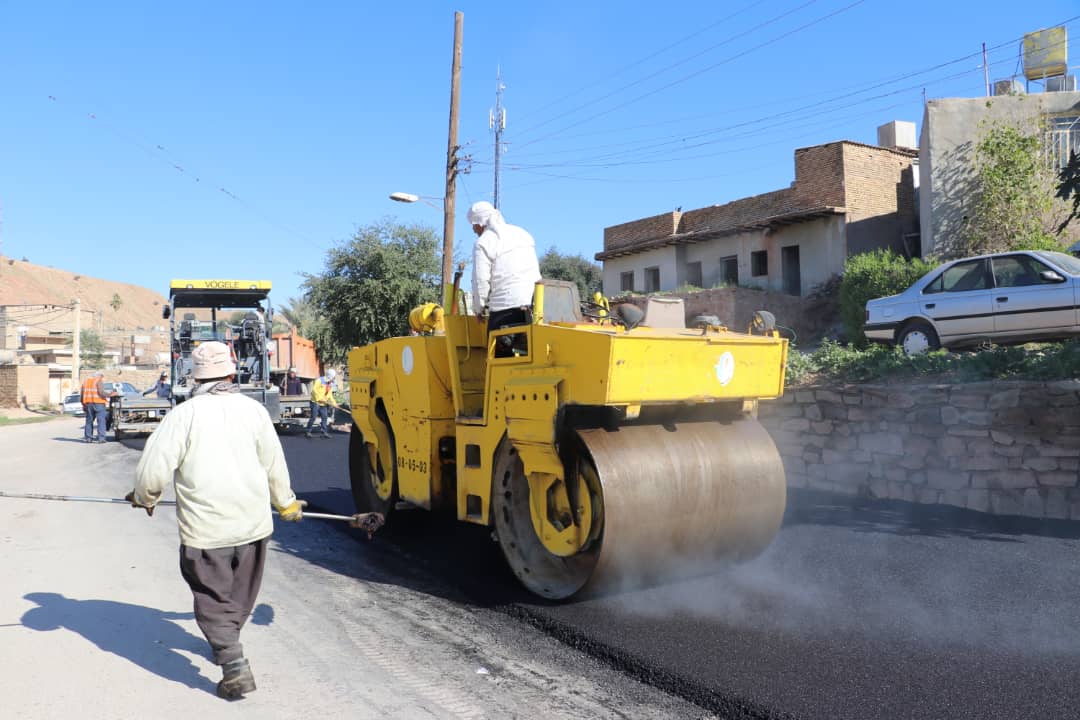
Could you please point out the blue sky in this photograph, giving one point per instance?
(145, 141)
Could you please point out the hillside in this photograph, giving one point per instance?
(26, 283)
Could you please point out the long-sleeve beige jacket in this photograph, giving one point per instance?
(225, 459)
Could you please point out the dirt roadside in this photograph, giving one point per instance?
(96, 621)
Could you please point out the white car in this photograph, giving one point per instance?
(72, 405)
(1009, 297)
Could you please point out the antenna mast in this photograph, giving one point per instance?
(497, 122)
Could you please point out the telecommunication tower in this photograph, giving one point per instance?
(497, 122)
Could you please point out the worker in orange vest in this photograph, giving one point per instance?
(95, 403)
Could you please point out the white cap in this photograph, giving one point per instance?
(331, 373)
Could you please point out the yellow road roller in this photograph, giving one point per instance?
(602, 450)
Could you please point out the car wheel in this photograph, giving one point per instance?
(917, 337)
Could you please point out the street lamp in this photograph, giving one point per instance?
(410, 198)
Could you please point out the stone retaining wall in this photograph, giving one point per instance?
(1007, 448)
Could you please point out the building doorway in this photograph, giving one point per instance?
(729, 271)
(789, 267)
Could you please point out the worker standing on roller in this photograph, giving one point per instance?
(221, 452)
(505, 268)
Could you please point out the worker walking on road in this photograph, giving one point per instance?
(505, 270)
(221, 452)
(95, 403)
(322, 399)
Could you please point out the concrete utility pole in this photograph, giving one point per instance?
(75, 345)
(986, 71)
(497, 122)
(451, 166)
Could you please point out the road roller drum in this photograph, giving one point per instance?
(667, 501)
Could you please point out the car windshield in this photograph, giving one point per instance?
(1068, 263)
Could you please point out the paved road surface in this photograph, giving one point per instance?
(96, 622)
(878, 611)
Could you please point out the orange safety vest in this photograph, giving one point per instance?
(92, 393)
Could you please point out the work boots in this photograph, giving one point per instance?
(237, 680)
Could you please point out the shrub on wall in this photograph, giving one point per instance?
(873, 275)
(833, 362)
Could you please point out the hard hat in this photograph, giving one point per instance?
(331, 373)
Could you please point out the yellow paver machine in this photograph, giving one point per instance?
(601, 450)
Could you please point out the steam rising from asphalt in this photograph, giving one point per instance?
(830, 580)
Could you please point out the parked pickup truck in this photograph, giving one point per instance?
(131, 415)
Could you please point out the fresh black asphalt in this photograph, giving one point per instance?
(874, 610)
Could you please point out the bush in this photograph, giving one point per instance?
(873, 275)
(878, 363)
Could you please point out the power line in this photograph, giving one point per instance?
(785, 139)
(786, 101)
(158, 152)
(661, 51)
(634, 152)
(857, 89)
(639, 145)
(697, 73)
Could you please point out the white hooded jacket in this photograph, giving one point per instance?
(505, 268)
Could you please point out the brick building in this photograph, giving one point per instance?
(847, 198)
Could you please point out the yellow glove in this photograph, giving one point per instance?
(294, 512)
(130, 497)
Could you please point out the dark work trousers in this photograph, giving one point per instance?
(225, 583)
(510, 317)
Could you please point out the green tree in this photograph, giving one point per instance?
(369, 285)
(873, 275)
(573, 268)
(91, 349)
(1013, 204)
(1068, 188)
(298, 313)
(280, 325)
(115, 304)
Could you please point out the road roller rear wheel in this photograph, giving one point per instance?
(367, 487)
(541, 571)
